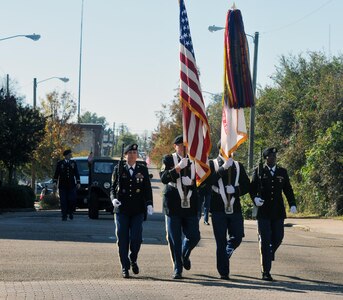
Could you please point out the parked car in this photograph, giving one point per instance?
(82, 193)
(49, 183)
(100, 174)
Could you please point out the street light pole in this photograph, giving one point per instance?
(34, 37)
(252, 109)
(33, 165)
(80, 64)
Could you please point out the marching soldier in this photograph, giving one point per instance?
(180, 204)
(68, 178)
(229, 181)
(131, 195)
(266, 192)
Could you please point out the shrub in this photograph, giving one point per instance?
(50, 201)
(16, 196)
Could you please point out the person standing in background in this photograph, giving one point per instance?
(205, 193)
(68, 179)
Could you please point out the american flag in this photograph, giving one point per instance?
(196, 131)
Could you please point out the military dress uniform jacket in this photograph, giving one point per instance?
(66, 174)
(134, 192)
(270, 189)
(171, 197)
(217, 204)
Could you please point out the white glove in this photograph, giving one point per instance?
(293, 209)
(228, 163)
(183, 163)
(258, 201)
(230, 189)
(116, 203)
(150, 210)
(186, 180)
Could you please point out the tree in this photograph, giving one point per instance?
(22, 129)
(170, 125)
(89, 117)
(323, 185)
(300, 115)
(61, 132)
(214, 113)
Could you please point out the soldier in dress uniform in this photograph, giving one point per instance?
(229, 181)
(180, 204)
(68, 178)
(266, 192)
(131, 195)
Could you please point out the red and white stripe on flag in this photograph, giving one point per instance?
(196, 130)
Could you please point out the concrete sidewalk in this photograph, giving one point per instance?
(328, 226)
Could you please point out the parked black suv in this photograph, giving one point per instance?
(82, 195)
(100, 175)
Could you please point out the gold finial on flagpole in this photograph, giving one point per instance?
(233, 6)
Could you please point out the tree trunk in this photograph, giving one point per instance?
(10, 174)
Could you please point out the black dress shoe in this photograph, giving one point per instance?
(267, 277)
(125, 273)
(186, 263)
(135, 268)
(177, 276)
(225, 277)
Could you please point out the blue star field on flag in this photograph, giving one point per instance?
(185, 33)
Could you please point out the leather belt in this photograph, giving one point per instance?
(173, 184)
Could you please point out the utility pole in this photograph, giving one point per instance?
(252, 109)
(113, 140)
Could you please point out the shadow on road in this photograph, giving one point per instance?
(47, 225)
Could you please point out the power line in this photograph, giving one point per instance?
(299, 20)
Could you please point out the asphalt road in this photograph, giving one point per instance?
(44, 258)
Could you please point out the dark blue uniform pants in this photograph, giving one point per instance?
(129, 231)
(183, 235)
(204, 203)
(223, 225)
(68, 200)
(270, 234)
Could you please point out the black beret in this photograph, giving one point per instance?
(130, 147)
(66, 152)
(268, 151)
(178, 139)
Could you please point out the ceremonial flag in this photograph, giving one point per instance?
(196, 131)
(238, 91)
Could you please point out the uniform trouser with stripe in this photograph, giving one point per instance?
(182, 235)
(129, 231)
(270, 235)
(67, 200)
(228, 231)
